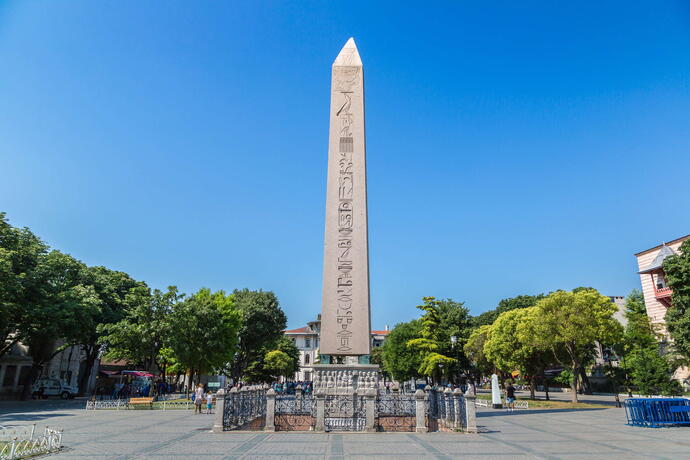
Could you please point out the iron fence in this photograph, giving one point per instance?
(657, 412)
(395, 412)
(295, 412)
(243, 407)
(344, 413)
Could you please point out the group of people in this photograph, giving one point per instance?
(199, 397)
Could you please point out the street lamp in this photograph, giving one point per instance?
(453, 340)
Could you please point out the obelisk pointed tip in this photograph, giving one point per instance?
(348, 56)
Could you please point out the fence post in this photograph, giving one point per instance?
(270, 410)
(370, 409)
(457, 408)
(420, 412)
(470, 411)
(448, 395)
(320, 399)
(220, 409)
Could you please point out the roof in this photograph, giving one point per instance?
(300, 330)
(658, 261)
(380, 332)
(682, 238)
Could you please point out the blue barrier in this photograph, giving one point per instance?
(657, 412)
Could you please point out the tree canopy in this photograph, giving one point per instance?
(677, 275)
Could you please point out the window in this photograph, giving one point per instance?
(307, 342)
(316, 342)
(10, 373)
(306, 359)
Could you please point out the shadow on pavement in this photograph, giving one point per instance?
(504, 413)
(31, 416)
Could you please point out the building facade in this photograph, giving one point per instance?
(307, 341)
(657, 295)
(16, 364)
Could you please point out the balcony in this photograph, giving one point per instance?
(663, 295)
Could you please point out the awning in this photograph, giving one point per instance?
(138, 373)
(109, 373)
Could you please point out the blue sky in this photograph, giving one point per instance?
(513, 147)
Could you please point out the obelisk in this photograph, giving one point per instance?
(345, 318)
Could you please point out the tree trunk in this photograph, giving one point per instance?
(586, 387)
(532, 385)
(91, 355)
(546, 384)
(573, 383)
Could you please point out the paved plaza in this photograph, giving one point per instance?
(546, 434)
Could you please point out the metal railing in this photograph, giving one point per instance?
(657, 412)
(17, 448)
(243, 407)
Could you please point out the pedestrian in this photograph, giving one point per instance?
(510, 396)
(209, 403)
(198, 399)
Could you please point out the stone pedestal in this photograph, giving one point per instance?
(345, 379)
(220, 408)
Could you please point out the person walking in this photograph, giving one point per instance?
(198, 399)
(510, 396)
(209, 403)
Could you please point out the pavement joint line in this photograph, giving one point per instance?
(158, 446)
(428, 447)
(335, 446)
(590, 441)
(245, 446)
(524, 449)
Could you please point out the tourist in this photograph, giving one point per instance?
(198, 399)
(510, 396)
(209, 403)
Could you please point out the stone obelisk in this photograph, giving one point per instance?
(345, 318)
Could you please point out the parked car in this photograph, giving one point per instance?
(52, 387)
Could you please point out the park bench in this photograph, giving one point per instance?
(141, 402)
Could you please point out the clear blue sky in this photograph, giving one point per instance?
(513, 147)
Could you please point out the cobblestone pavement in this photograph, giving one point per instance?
(178, 434)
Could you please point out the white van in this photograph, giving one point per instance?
(53, 387)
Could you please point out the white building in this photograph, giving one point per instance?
(307, 341)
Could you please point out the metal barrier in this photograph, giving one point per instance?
(657, 412)
(50, 441)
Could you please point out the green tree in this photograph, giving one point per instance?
(510, 346)
(57, 305)
(400, 361)
(263, 322)
(512, 303)
(474, 349)
(677, 275)
(277, 363)
(430, 342)
(20, 254)
(651, 372)
(204, 330)
(111, 289)
(145, 330)
(574, 321)
(262, 371)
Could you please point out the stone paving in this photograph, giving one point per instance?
(178, 434)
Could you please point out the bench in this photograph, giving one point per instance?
(141, 402)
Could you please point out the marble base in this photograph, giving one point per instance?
(345, 378)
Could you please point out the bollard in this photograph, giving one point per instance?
(420, 411)
(270, 410)
(220, 406)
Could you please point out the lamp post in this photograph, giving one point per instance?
(453, 342)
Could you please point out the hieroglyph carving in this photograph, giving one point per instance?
(345, 84)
